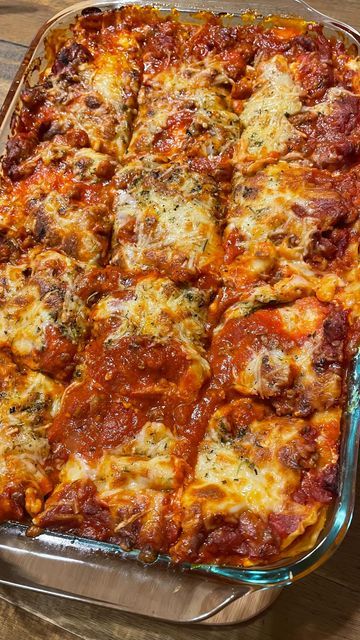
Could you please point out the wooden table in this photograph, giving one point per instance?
(325, 605)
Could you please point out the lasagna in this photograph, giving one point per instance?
(179, 297)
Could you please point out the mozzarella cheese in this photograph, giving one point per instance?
(38, 295)
(165, 219)
(263, 206)
(267, 131)
(182, 109)
(255, 470)
(278, 217)
(76, 229)
(29, 402)
(155, 307)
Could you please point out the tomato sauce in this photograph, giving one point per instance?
(235, 345)
(78, 509)
(125, 385)
(91, 421)
(58, 356)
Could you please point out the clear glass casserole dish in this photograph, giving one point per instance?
(102, 573)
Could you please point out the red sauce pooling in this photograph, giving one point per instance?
(58, 356)
(125, 385)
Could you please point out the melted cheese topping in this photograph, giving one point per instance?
(37, 294)
(257, 470)
(185, 108)
(155, 307)
(248, 479)
(165, 219)
(29, 402)
(268, 132)
(354, 65)
(264, 209)
(278, 220)
(57, 222)
(326, 107)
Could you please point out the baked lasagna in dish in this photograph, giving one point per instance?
(180, 297)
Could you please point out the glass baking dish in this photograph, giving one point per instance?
(102, 573)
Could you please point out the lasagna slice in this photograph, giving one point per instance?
(291, 356)
(261, 485)
(166, 219)
(60, 205)
(268, 133)
(42, 319)
(135, 489)
(87, 99)
(291, 213)
(185, 111)
(29, 402)
(288, 234)
(120, 426)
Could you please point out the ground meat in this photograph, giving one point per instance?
(18, 149)
(320, 487)
(298, 455)
(71, 57)
(330, 351)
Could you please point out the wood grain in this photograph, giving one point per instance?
(11, 56)
(323, 606)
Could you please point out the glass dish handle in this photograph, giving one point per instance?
(63, 567)
(91, 622)
(308, 12)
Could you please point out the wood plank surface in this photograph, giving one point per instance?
(323, 606)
